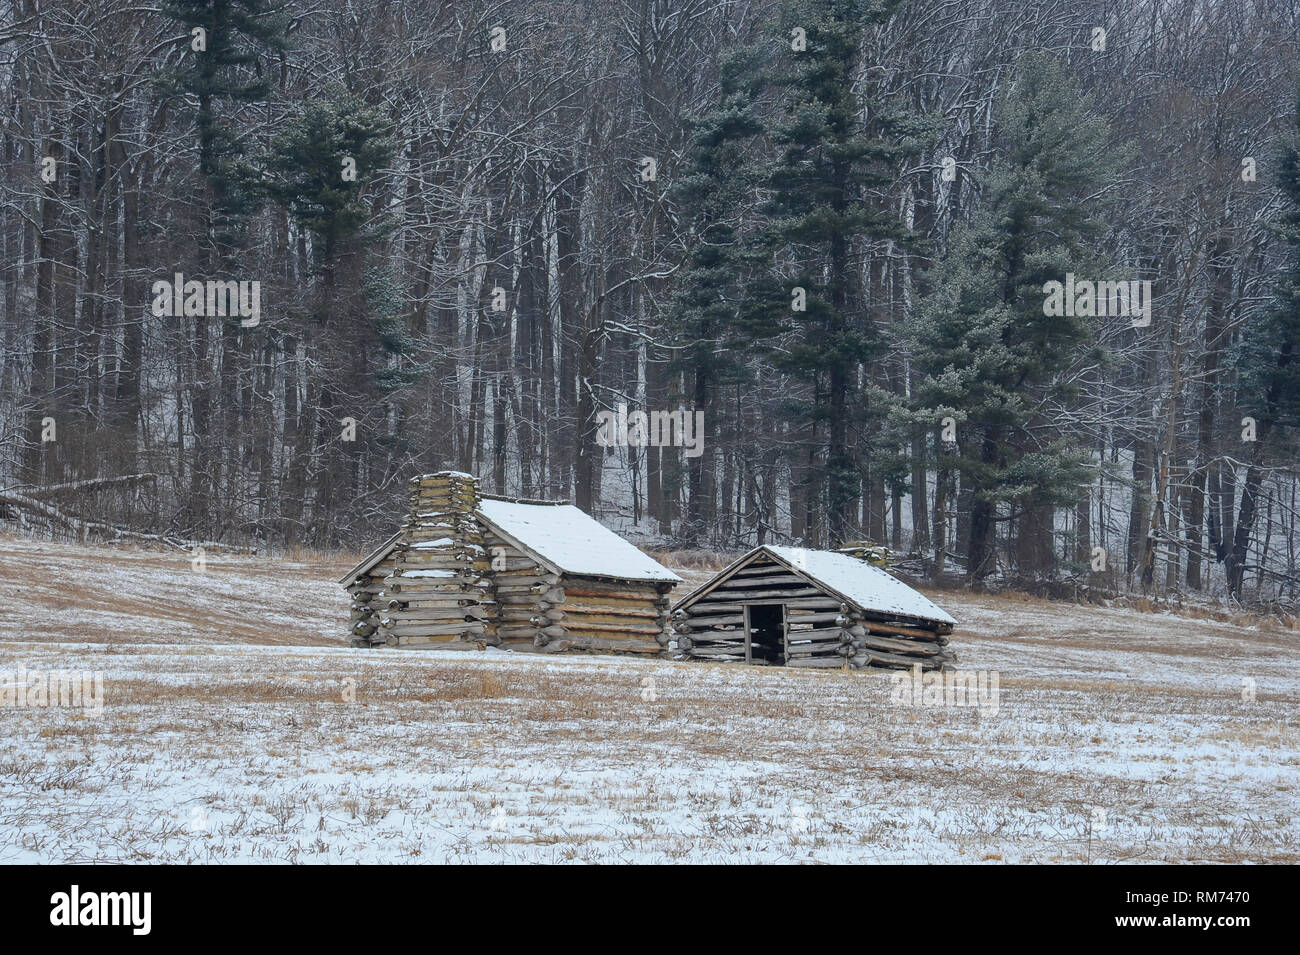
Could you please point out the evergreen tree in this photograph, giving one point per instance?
(319, 164)
(235, 33)
(715, 193)
(1268, 378)
(223, 40)
(318, 168)
(840, 146)
(988, 353)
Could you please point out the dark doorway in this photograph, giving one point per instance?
(765, 628)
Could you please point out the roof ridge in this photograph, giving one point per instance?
(520, 500)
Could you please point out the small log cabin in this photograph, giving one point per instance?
(788, 606)
(472, 570)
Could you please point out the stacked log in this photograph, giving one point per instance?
(882, 640)
(439, 592)
(714, 627)
(813, 636)
(527, 592)
(365, 591)
(596, 614)
(877, 555)
(821, 630)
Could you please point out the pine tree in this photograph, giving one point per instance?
(234, 34)
(319, 164)
(988, 353)
(223, 40)
(716, 193)
(840, 146)
(318, 168)
(1268, 377)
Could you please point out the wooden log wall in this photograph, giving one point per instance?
(451, 581)
(367, 602)
(526, 592)
(814, 636)
(595, 614)
(714, 627)
(439, 591)
(885, 640)
(821, 631)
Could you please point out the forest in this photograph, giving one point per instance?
(1011, 289)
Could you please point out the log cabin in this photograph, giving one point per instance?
(788, 606)
(469, 570)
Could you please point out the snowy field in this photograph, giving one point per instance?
(236, 726)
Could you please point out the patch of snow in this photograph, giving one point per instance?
(576, 543)
(868, 586)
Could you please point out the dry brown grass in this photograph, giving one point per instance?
(1136, 715)
(712, 560)
(134, 594)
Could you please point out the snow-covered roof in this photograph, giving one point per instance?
(854, 580)
(570, 540)
(370, 561)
